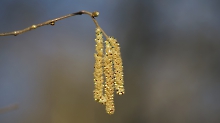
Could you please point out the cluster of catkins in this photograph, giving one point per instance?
(108, 74)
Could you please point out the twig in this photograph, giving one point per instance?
(52, 22)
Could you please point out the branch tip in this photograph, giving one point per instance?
(95, 14)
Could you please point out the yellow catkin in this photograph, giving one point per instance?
(118, 68)
(109, 77)
(98, 68)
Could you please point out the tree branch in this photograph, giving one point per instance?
(52, 22)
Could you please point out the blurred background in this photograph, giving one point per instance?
(170, 51)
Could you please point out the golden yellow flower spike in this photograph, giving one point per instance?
(98, 68)
(109, 78)
(110, 65)
(118, 68)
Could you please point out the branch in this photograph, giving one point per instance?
(52, 22)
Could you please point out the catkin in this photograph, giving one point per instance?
(108, 65)
(109, 78)
(98, 68)
(118, 68)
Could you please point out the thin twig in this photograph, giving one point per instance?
(52, 22)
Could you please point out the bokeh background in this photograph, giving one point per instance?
(170, 51)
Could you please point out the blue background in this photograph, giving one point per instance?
(170, 50)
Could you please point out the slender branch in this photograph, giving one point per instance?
(52, 22)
